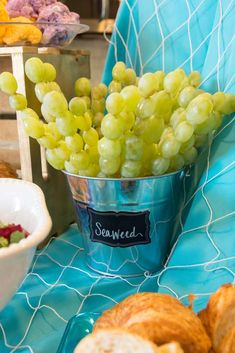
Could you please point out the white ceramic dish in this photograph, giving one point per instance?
(22, 203)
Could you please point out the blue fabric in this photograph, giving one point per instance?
(59, 284)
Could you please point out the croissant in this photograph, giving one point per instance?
(118, 340)
(159, 318)
(219, 319)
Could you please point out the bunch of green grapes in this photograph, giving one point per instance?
(136, 127)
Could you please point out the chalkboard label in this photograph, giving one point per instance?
(119, 229)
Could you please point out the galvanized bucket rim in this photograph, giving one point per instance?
(180, 171)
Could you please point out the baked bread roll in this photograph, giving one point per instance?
(219, 319)
(118, 340)
(6, 170)
(159, 318)
(170, 348)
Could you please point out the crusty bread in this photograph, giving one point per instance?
(115, 341)
(159, 318)
(170, 348)
(120, 341)
(219, 319)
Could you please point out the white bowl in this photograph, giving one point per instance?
(22, 203)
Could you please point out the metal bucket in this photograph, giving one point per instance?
(127, 225)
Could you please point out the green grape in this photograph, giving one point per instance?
(159, 77)
(229, 104)
(114, 103)
(200, 140)
(129, 78)
(80, 160)
(18, 101)
(127, 120)
(87, 100)
(28, 113)
(218, 120)
(8, 83)
(187, 145)
(74, 143)
(33, 127)
(48, 117)
(55, 103)
(194, 79)
(115, 86)
(99, 132)
(176, 163)
(168, 131)
(186, 95)
(199, 109)
(147, 85)
(184, 131)
(174, 81)
(71, 168)
(170, 147)
(190, 156)
(100, 91)
(54, 160)
(92, 152)
(177, 117)
(148, 154)
(167, 117)
(149, 151)
(134, 147)
(145, 108)
(162, 102)
(103, 88)
(92, 170)
(224, 103)
(97, 119)
(112, 127)
(131, 97)
(51, 128)
(34, 70)
(82, 87)
(66, 124)
(131, 169)
(77, 106)
(159, 165)
(101, 175)
(109, 149)
(63, 151)
(48, 141)
(42, 88)
(150, 130)
(219, 101)
(88, 116)
(82, 123)
(109, 166)
(98, 105)
(119, 71)
(90, 137)
(213, 122)
(49, 72)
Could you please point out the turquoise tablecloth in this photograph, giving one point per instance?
(158, 34)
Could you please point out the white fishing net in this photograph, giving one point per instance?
(148, 35)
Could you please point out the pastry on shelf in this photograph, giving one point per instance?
(159, 318)
(6, 170)
(118, 340)
(219, 319)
